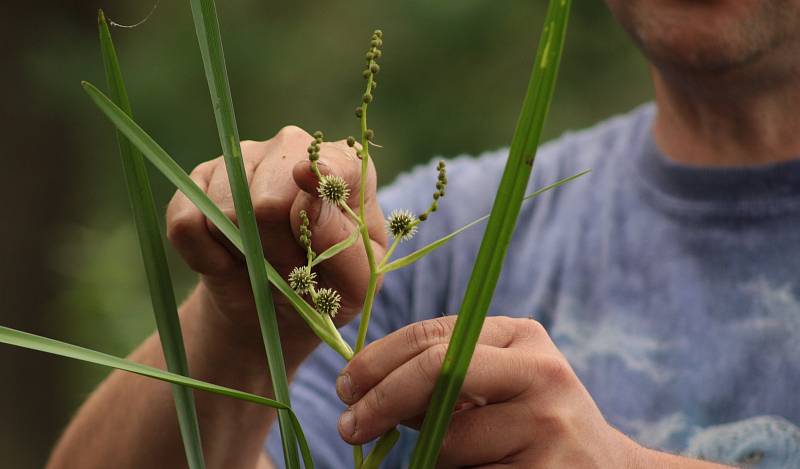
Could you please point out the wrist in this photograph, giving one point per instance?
(242, 339)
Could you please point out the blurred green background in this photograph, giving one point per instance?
(453, 75)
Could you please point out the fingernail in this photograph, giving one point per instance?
(347, 423)
(344, 387)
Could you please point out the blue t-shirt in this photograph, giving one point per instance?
(672, 290)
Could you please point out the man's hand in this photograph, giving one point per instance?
(281, 185)
(521, 402)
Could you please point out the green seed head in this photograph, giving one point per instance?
(333, 189)
(402, 224)
(302, 279)
(328, 302)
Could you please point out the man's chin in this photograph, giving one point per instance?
(710, 35)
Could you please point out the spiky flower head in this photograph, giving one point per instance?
(302, 279)
(402, 224)
(333, 189)
(328, 302)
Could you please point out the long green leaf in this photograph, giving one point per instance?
(178, 177)
(424, 251)
(206, 25)
(54, 347)
(496, 238)
(159, 280)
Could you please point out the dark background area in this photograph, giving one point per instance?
(453, 76)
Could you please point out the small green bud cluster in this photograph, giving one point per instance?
(313, 151)
(328, 301)
(333, 189)
(302, 279)
(441, 184)
(373, 54)
(305, 232)
(402, 224)
(305, 235)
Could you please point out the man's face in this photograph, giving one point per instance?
(709, 35)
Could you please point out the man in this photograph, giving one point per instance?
(666, 278)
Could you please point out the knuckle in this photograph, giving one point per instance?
(291, 131)
(529, 328)
(552, 371)
(373, 405)
(268, 206)
(430, 362)
(204, 167)
(181, 226)
(421, 334)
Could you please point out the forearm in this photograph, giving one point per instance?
(131, 420)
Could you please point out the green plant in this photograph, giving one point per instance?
(301, 285)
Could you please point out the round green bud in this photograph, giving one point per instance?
(369, 55)
(366, 73)
(423, 216)
(359, 112)
(351, 142)
(369, 134)
(318, 135)
(374, 68)
(367, 98)
(378, 33)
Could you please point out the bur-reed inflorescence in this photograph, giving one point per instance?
(333, 189)
(328, 302)
(402, 224)
(302, 279)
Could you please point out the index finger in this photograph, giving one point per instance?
(383, 356)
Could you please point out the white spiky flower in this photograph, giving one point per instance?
(301, 279)
(333, 189)
(402, 224)
(328, 301)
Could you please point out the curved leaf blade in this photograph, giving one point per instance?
(178, 177)
(336, 248)
(496, 238)
(159, 280)
(424, 251)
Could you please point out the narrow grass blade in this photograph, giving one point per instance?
(424, 251)
(159, 280)
(54, 347)
(325, 330)
(496, 238)
(336, 248)
(385, 444)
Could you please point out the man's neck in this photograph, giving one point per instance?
(716, 122)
